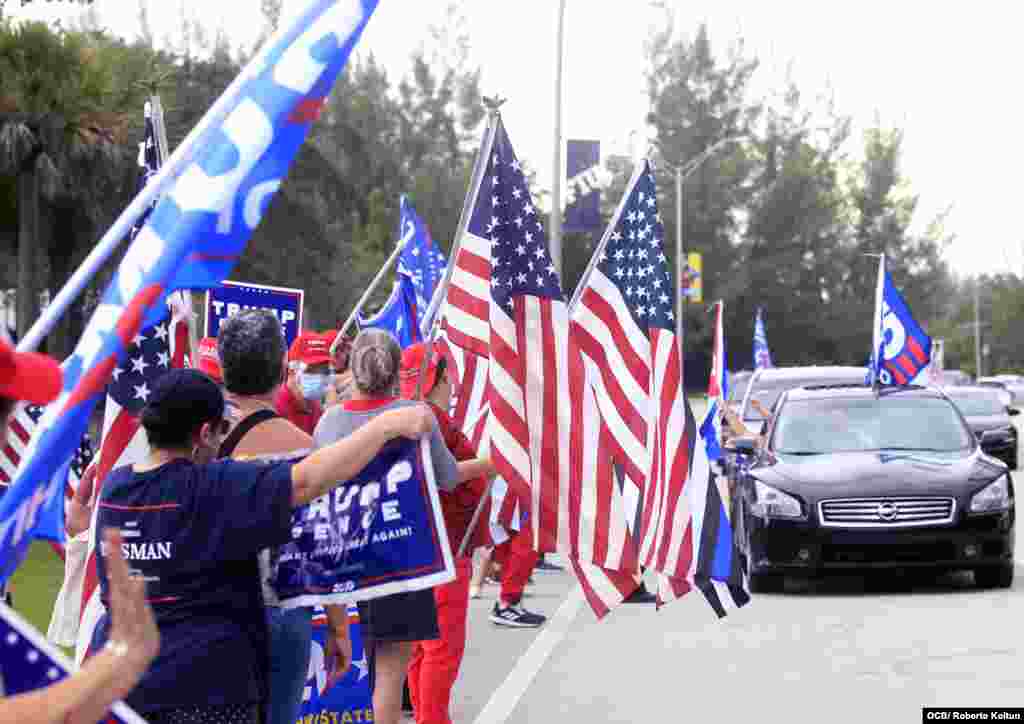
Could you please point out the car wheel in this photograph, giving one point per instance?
(766, 583)
(994, 576)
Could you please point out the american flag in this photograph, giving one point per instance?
(624, 326)
(152, 352)
(528, 428)
(29, 662)
(20, 428)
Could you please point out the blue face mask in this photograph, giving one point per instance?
(313, 386)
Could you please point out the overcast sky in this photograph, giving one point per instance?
(946, 73)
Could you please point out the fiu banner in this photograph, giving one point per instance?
(346, 702)
(378, 534)
(583, 190)
(232, 297)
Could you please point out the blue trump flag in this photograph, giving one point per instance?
(762, 355)
(421, 266)
(904, 351)
(191, 240)
(380, 533)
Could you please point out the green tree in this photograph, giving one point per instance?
(62, 121)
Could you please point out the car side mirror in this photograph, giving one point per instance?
(989, 436)
(744, 445)
(1012, 411)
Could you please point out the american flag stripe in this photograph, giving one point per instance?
(467, 304)
(602, 588)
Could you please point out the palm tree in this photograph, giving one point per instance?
(61, 134)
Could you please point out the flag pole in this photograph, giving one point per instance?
(592, 264)
(479, 168)
(366, 295)
(162, 152)
(183, 155)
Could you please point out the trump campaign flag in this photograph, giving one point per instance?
(380, 533)
(762, 355)
(218, 184)
(421, 266)
(902, 352)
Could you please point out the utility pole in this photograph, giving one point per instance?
(680, 257)
(977, 329)
(556, 183)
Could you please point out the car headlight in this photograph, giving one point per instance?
(773, 503)
(993, 497)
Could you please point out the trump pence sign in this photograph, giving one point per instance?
(232, 297)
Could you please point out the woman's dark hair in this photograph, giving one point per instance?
(251, 346)
(181, 402)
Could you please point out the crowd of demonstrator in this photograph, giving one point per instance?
(234, 446)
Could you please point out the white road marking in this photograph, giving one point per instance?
(505, 698)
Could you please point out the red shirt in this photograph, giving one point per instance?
(304, 414)
(458, 505)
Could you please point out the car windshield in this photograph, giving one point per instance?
(924, 424)
(979, 403)
(767, 392)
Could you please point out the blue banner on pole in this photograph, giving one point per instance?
(349, 699)
(378, 534)
(583, 194)
(231, 297)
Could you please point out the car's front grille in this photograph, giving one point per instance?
(885, 512)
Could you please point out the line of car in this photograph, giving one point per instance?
(842, 477)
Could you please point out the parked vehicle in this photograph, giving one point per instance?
(854, 479)
(955, 378)
(1005, 396)
(989, 420)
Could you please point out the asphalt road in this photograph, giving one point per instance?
(848, 649)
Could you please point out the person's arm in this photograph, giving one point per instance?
(476, 468)
(86, 696)
(78, 516)
(332, 465)
(338, 650)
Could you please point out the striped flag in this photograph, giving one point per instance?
(717, 573)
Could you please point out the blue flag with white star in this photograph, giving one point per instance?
(421, 266)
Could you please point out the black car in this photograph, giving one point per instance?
(989, 420)
(850, 478)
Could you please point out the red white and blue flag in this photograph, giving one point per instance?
(192, 239)
(902, 352)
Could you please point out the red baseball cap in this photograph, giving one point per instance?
(29, 376)
(310, 348)
(412, 360)
(209, 359)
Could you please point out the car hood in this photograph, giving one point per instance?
(878, 474)
(979, 423)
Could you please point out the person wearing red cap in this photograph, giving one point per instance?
(209, 360)
(299, 399)
(434, 665)
(86, 695)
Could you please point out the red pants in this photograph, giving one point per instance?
(434, 665)
(517, 559)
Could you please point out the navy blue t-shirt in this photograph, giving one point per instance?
(193, 531)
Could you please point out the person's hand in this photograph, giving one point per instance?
(133, 631)
(337, 655)
(412, 422)
(79, 510)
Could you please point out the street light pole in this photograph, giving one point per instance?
(977, 329)
(556, 184)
